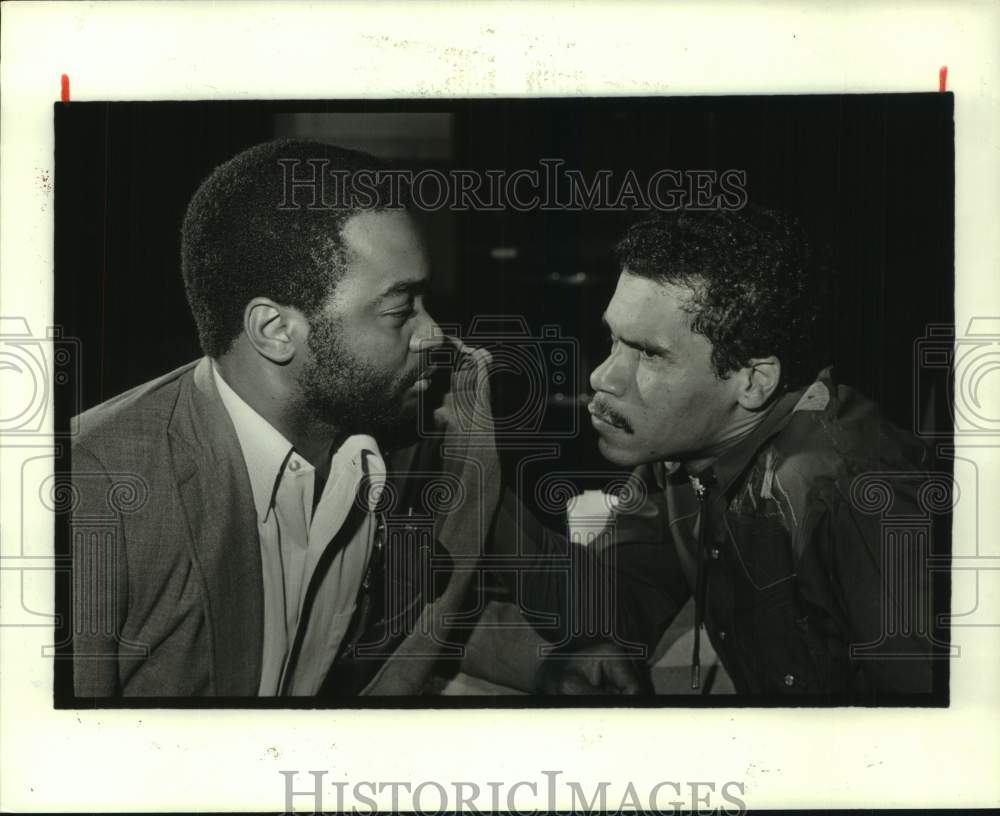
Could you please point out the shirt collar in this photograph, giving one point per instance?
(735, 460)
(359, 456)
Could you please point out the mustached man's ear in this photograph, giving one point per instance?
(758, 381)
(272, 330)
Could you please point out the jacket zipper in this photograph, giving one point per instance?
(701, 579)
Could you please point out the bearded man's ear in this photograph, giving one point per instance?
(274, 331)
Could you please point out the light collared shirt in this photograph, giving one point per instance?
(293, 539)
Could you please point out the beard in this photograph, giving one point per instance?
(353, 396)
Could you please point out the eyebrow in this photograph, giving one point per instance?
(407, 287)
(638, 344)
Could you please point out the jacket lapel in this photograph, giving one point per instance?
(218, 503)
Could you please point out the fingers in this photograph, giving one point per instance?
(473, 359)
(592, 675)
(479, 355)
(625, 678)
(448, 351)
(578, 684)
(564, 677)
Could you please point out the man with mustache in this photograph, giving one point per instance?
(754, 462)
(260, 551)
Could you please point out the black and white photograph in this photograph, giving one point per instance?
(607, 401)
(454, 407)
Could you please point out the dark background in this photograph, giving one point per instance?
(871, 177)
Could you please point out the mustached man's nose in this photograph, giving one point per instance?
(607, 378)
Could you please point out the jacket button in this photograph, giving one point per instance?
(715, 553)
(789, 679)
(722, 635)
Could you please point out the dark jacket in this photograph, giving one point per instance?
(808, 548)
(808, 554)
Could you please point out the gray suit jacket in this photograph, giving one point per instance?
(167, 586)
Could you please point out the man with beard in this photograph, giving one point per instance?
(765, 492)
(253, 555)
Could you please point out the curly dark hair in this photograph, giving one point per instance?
(756, 282)
(245, 235)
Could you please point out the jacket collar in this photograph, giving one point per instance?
(728, 467)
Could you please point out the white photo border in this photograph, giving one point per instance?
(168, 760)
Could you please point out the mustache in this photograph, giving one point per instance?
(605, 412)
